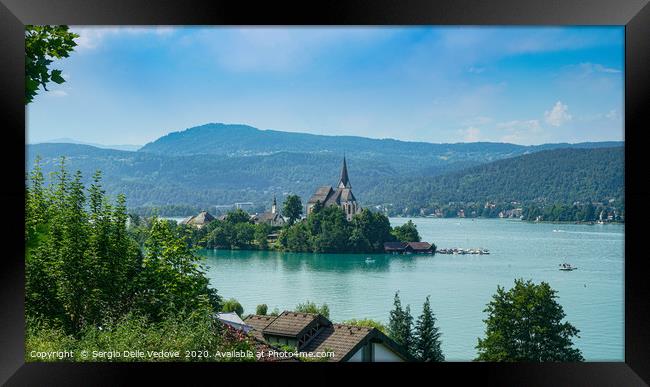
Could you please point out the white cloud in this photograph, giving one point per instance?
(92, 37)
(558, 115)
(590, 68)
(471, 134)
(280, 49)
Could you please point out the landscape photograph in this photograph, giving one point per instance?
(324, 194)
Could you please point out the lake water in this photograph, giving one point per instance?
(460, 285)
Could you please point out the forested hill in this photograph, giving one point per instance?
(554, 176)
(407, 179)
(241, 140)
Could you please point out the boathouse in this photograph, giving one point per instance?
(409, 248)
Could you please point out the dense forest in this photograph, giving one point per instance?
(562, 176)
(384, 173)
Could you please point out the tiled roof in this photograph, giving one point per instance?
(258, 323)
(321, 194)
(420, 245)
(343, 340)
(394, 245)
(290, 324)
(338, 338)
(202, 218)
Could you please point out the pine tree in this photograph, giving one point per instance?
(400, 323)
(427, 336)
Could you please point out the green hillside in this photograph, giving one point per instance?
(186, 169)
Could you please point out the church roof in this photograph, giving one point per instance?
(344, 182)
(321, 194)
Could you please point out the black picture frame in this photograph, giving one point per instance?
(633, 14)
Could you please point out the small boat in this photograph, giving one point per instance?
(567, 267)
(369, 260)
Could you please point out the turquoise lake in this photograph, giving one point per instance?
(460, 285)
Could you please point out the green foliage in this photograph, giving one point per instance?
(42, 45)
(369, 231)
(238, 216)
(368, 323)
(292, 208)
(171, 269)
(525, 324)
(326, 230)
(408, 232)
(400, 324)
(232, 305)
(311, 307)
(427, 336)
(84, 268)
(261, 309)
(194, 332)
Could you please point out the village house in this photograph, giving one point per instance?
(273, 218)
(308, 332)
(342, 197)
(202, 219)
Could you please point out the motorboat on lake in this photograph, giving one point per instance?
(369, 260)
(567, 267)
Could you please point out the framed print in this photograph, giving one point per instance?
(220, 190)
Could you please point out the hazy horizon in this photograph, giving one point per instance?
(124, 145)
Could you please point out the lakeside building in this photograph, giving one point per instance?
(202, 219)
(273, 218)
(309, 332)
(408, 248)
(341, 197)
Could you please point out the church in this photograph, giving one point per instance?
(342, 197)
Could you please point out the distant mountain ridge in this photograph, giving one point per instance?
(66, 140)
(241, 140)
(254, 165)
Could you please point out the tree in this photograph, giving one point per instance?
(427, 336)
(408, 232)
(262, 231)
(238, 216)
(292, 208)
(370, 230)
(311, 307)
(400, 324)
(42, 45)
(261, 309)
(232, 305)
(525, 324)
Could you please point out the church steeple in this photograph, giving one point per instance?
(274, 206)
(345, 181)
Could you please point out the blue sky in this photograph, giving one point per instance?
(131, 85)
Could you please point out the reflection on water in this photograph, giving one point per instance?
(341, 263)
